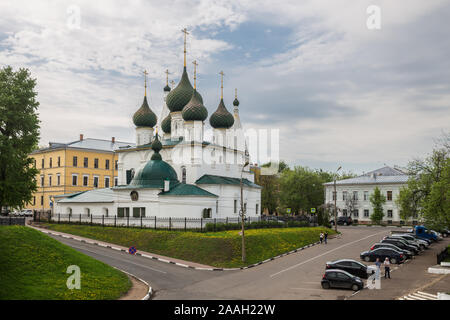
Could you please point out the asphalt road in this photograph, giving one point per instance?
(296, 276)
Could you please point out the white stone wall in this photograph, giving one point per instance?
(365, 204)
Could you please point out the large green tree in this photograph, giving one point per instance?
(19, 135)
(377, 199)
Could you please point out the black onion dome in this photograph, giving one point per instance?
(221, 118)
(156, 146)
(180, 96)
(166, 88)
(144, 117)
(195, 110)
(166, 124)
(236, 102)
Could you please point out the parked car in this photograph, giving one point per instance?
(410, 239)
(353, 267)
(429, 241)
(408, 253)
(437, 235)
(335, 278)
(27, 213)
(445, 232)
(402, 244)
(342, 221)
(394, 256)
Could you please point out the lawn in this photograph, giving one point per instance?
(219, 249)
(34, 265)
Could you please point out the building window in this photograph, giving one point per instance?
(107, 164)
(366, 212)
(106, 182)
(334, 195)
(123, 212)
(75, 161)
(116, 181)
(87, 211)
(344, 195)
(116, 165)
(355, 195)
(34, 163)
(34, 201)
(257, 208)
(59, 161)
(42, 180)
(86, 162)
(183, 174)
(58, 179)
(85, 181)
(344, 212)
(217, 206)
(74, 179)
(95, 182)
(51, 162)
(389, 196)
(42, 166)
(356, 213)
(96, 163)
(138, 212)
(42, 200)
(235, 206)
(50, 180)
(389, 213)
(207, 213)
(366, 195)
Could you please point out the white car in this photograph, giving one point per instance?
(26, 213)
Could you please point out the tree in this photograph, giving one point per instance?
(351, 204)
(19, 135)
(377, 200)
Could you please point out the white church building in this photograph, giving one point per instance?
(181, 171)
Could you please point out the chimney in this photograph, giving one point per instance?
(113, 139)
(166, 185)
(81, 137)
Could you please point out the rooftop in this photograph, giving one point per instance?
(380, 176)
(88, 143)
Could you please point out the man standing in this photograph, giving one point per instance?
(326, 236)
(321, 237)
(387, 269)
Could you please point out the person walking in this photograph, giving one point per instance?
(326, 237)
(377, 272)
(387, 268)
(321, 237)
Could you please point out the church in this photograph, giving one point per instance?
(182, 170)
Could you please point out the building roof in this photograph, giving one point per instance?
(221, 118)
(144, 116)
(184, 189)
(194, 110)
(87, 144)
(385, 175)
(105, 195)
(213, 179)
(180, 96)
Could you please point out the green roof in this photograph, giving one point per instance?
(144, 117)
(212, 179)
(221, 118)
(166, 124)
(184, 189)
(195, 110)
(180, 96)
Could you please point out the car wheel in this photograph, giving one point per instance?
(325, 285)
(393, 260)
(367, 259)
(355, 287)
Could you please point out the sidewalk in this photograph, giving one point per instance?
(154, 256)
(411, 277)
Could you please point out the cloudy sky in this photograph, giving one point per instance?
(338, 92)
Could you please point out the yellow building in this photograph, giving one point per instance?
(72, 167)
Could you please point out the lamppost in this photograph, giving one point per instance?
(335, 199)
(242, 213)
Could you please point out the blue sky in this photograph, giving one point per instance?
(339, 93)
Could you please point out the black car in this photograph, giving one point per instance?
(353, 267)
(401, 244)
(394, 256)
(407, 253)
(411, 240)
(335, 278)
(345, 221)
(420, 238)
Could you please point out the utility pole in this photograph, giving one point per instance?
(242, 213)
(335, 199)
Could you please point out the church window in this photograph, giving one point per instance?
(217, 206)
(123, 212)
(235, 206)
(183, 174)
(139, 212)
(257, 208)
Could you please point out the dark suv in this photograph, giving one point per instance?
(342, 220)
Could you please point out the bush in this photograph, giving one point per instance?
(209, 227)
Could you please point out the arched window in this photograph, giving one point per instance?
(183, 174)
(87, 211)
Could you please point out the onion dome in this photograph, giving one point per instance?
(195, 110)
(221, 118)
(167, 88)
(156, 171)
(236, 102)
(166, 124)
(180, 96)
(144, 117)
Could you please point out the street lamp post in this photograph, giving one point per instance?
(335, 199)
(242, 214)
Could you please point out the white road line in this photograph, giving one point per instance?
(427, 294)
(128, 261)
(320, 255)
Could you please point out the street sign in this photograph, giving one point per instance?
(288, 210)
(132, 250)
(313, 210)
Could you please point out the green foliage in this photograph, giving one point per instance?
(27, 274)
(220, 249)
(377, 199)
(19, 135)
(209, 227)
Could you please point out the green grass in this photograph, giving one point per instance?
(33, 267)
(219, 249)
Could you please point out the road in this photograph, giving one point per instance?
(296, 276)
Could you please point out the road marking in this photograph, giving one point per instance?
(128, 261)
(320, 255)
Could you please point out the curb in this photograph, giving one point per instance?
(149, 294)
(177, 263)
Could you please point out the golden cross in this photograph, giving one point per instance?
(145, 81)
(221, 84)
(167, 77)
(185, 34)
(235, 93)
(195, 73)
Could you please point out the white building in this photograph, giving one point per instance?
(180, 173)
(353, 194)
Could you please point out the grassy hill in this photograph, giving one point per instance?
(33, 266)
(220, 249)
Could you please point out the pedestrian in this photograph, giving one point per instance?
(377, 272)
(321, 237)
(326, 237)
(387, 269)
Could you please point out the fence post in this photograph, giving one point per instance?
(80, 218)
(155, 222)
(141, 221)
(214, 224)
(91, 219)
(103, 220)
(10, 220)
(185, 220)
(69, 217)
(170, 223)
(226, 220)
(115, 217)
(128, 220)
(39, 218)
(59, 218)
(201, 224)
